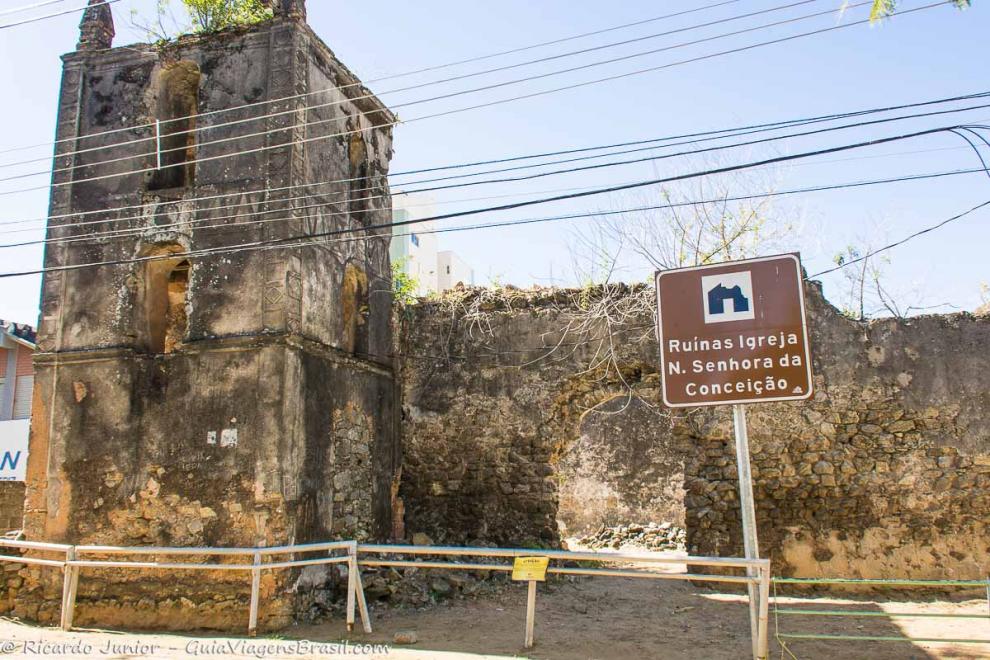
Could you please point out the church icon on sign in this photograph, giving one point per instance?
(728, 297)
(718, 296)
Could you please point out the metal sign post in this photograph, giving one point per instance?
(750, 542)
(731, 334)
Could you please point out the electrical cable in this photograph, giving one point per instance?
(633, 161)
(510, 223)
(387, 77)
(474, 107)
(133, 230)
(891, 246)
(346, 100)
(524, 177)
(295, 210)
(36, 5)
(728, 132)
(958, 131)
(178, 226)
(310, 238)
(61, 13)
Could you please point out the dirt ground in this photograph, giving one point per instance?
(585, 619)
(606, 618)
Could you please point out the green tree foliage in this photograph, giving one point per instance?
(214, 15)
(884, 8)
(163, 24)
(404, 285)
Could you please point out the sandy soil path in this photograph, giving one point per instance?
(600, 618)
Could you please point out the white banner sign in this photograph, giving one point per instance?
(14, 449)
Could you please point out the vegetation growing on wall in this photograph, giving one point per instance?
(200, 16)
(213, 15)
(404, 285)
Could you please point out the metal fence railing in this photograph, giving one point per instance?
(760, 568)
(790, 611)
(74, 558)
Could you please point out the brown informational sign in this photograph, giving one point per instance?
(734, 333)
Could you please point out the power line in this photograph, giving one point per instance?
(36, 5)
(310, 238)
(323, 203)
(61, 13)
(482, 105)
(845, 264)
(691, 152)
(726, 132)
(135, 231)
(529, 221)
(891, 246)
(367, 198)
(630, 186)
(391, 76)
(346, 100)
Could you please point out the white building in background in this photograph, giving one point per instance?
(16, 388)
(414, 249)
(452, 270)
(415, 252)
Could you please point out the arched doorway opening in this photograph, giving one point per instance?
(622, 469)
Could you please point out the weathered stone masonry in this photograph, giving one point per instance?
(885, 473)
(245, 398)
(232, 399)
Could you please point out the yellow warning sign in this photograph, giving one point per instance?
(530, 569)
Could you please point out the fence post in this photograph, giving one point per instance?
(359, 592)
(763, 644)
(352, 570)
(255, 595)
(70, 585)
(530, 614)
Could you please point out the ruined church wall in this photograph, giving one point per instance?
(296, 446)
(349, 146)
(884, 473)
(498, 439)
(255, 428)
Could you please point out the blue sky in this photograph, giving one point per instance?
(934, 53)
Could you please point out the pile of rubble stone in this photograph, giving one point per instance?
(652, 536)
(408, 587)
(418, 587)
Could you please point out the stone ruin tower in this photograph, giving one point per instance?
(205, 397)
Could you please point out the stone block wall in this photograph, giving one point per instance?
(507, 433)
(11, 505)
(520, 415)
(884, 473)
